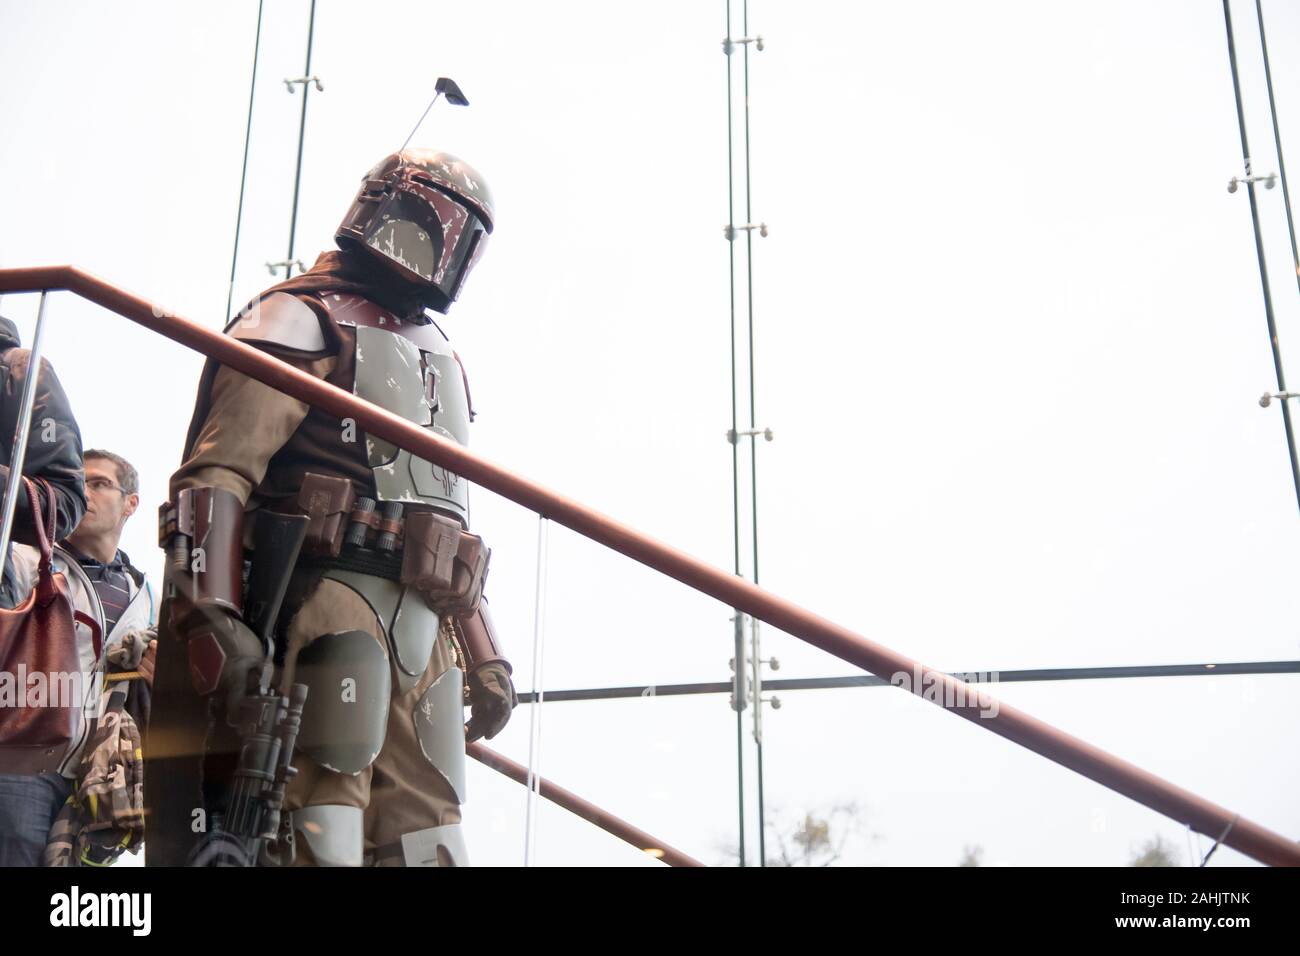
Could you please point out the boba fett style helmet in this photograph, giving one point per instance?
(423, 217)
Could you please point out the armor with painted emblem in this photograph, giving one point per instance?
(402, 365)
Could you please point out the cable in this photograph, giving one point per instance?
(753, 456)
(1259, 253)
(1277, 142)
(536, 698)
(1222, 836)
(982, 678)
(243, 174)
(735, 465)
(302, 129)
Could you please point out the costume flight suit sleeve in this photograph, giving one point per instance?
(247, 422)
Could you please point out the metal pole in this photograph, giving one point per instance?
(864, 680)
(302, 129)
(1259, 254)
(951, 694)
(1277, 142)
(18, 454)
(243, 175)
(538, 695)
(753, 459)
(739, 633)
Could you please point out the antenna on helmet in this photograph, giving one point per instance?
(454, 96)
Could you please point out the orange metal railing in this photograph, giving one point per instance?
(970, 702)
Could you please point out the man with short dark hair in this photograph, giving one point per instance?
(112, 495)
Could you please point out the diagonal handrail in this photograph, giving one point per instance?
(583, 808)
(966, 701)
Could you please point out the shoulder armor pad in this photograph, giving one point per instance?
(279, 319)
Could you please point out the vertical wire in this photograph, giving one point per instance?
(1277, 142)
(302, 129)
(14, 486)
(1259, 254)
(243, 175)
(735, 459)
(753, 448)
(535, 712)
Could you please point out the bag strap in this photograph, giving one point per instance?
(43, 522)
(96, 634)
(117, 698)
(45, 589)
(51, 510)
(43, 535)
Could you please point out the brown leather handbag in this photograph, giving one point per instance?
(42, 687)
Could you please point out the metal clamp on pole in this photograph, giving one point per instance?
(734, 436)
(756, 688)
(289, 84)
(1266, 399)
(740, 690)
(729, 45)
(729, 232)
(285, 264)
(1269, 181)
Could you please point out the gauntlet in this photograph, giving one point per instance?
(487, 680)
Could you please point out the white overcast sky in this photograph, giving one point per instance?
(1009, 331)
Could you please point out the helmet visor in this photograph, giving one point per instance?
(425, 232)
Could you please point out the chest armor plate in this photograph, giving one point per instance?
(411, 371)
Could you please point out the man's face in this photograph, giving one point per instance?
(107, 507)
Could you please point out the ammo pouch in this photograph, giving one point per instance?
(327, 500)
(442, 562)
(445, 564)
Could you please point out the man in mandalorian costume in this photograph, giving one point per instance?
(360, 602)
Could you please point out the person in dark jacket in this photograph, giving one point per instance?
(53, 448)
(29, 802)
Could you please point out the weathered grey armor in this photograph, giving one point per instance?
(435, 846)
(348, 682)
(424, 385)
(332, 832)
(278, 319)
(442, 706)
(411, 628)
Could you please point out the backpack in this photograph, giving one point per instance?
(104, 816)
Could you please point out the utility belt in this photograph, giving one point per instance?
(423, 549)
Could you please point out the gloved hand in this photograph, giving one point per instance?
(148, 660)
(222, 653)
(491, 699)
